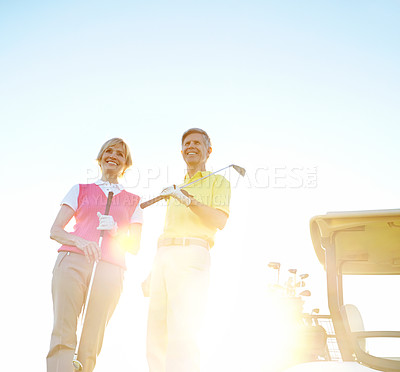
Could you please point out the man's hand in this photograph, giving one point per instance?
(168, 191)
(177, 194)
(181, 197)
(106, 222)
(146, 286)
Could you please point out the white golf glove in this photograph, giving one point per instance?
(106, 222)
(176, 193)
(168, 191)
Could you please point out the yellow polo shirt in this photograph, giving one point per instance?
(180, 221)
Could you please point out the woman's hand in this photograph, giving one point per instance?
(107, 223)
(146, 286)
(91, 249)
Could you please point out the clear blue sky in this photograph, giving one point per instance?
(287, 89)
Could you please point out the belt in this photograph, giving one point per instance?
(183, 241)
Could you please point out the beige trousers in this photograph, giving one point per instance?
(71, 276)
(178, 293)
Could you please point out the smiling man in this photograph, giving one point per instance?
(180, 274)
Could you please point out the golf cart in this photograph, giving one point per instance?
(364, 244)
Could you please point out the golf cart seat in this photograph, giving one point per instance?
(353, 322)
(357, 243)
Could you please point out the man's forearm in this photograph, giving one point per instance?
(209, 215)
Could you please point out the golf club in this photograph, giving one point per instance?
(76, 363)
(238, 169)
(275, 266)
(294, 281)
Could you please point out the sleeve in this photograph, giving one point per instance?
(137, 216)
(221, 194)
(71, 199)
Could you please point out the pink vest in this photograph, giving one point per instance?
(91, 200)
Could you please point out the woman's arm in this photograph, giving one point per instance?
(129, 238)
(91, 249)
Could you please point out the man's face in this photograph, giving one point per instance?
(194, 150)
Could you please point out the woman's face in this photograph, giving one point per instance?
(113, 160)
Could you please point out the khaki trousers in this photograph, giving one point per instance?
(71, 277)
(178, 293)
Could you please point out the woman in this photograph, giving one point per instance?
(79, 251)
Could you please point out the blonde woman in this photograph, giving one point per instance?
(80, 249)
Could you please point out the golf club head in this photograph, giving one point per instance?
(274, 265)
(238, 169)
(292, 271)
(77, 365)
(305, 293)
(304, 276)
(278, 287)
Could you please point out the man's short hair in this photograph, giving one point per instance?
(197, 130)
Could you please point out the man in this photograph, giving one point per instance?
(180, 275)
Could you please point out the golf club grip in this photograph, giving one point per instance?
(151, 201)
(107, 211)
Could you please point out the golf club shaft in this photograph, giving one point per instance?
(107, 211)
(202, 178)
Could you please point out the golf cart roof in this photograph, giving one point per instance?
(365, 242)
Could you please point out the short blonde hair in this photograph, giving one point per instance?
(197, 130)
(113, 142)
